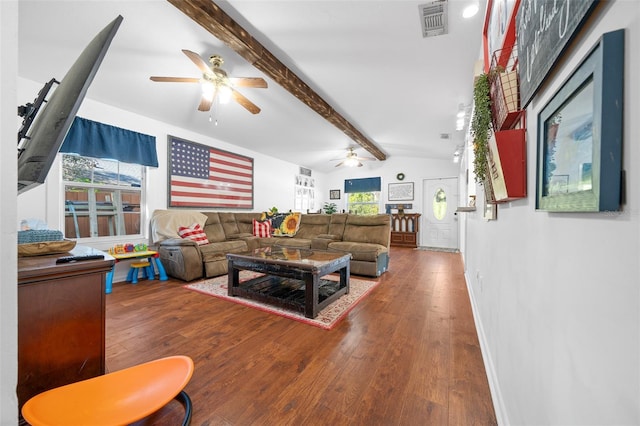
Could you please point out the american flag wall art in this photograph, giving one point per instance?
(204, 177)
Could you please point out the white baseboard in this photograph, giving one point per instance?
(494, 385)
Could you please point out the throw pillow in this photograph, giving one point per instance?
(285, 224)
(262, 229)
(195, 233)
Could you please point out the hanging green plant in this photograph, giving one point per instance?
(481, 126)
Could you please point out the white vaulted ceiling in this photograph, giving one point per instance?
(367, 59)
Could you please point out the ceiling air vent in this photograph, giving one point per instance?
(433, 17)
(304, 171)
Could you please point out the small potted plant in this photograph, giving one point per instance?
(330, 208)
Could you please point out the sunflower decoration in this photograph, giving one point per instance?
(290, 223)
(286, 224)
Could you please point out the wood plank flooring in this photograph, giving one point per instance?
(408, 354)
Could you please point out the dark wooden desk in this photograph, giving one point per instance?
(61, 321)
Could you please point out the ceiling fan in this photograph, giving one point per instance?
(352, 159)
(216, 83)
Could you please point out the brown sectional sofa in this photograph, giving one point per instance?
(366, 238)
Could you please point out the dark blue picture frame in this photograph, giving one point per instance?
(596, 90)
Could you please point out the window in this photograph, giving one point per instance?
(364, 202)
(103, 170)
(363, 195)
(305, 197)
(102, 197)
(439, 204)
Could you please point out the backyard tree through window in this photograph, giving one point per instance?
(365, 203)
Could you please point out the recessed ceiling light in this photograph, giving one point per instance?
(470, 10)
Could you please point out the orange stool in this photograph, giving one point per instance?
(117, 398)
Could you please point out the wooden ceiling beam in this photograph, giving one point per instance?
(213, 19)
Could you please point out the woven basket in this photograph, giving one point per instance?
(45, 247)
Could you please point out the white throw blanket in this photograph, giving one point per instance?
(165, 223)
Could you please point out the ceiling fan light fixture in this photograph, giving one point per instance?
(352, 162)
(208, 90)
(225, 94)
(352, 159)
(215, 84)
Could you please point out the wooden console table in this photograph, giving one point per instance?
(404, 229)
(61, 321)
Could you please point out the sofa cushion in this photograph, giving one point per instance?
(218, 251)
(267, 242)
(293, 242)
(193, 233)
(213, 228)
(336, 227)
(359, 251)
(312, 225)
(244, 221)
(240, 236)
(374, 229)
(262, 229)
(229, 223)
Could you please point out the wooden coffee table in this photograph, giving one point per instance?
(293, 278)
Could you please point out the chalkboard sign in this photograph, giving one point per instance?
(544, 28)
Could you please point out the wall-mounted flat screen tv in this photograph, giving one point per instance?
(38, 144)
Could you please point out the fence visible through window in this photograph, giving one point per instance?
(102, 197)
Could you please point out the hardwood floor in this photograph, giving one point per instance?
(408, 354)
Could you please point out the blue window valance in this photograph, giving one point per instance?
(362, 185)
(92, 139)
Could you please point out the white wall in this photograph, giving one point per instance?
(8, 238)
(556, 296)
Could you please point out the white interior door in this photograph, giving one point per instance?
(440, 220)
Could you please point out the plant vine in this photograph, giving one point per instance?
(481, 126)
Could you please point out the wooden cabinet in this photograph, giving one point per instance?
(61, 321)
(404, 229)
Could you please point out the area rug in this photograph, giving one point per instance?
(328, 318)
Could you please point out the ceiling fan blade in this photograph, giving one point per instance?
(339, 164)
(175, 79)
(205, 103)
(250, 106)
(196, 59)
(255, 82)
